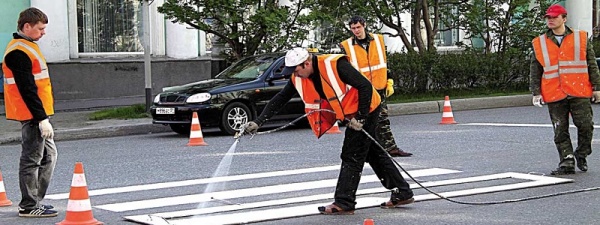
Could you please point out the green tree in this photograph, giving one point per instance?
(247, 27)
(503, 24)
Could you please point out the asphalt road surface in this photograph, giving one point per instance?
(280, 178)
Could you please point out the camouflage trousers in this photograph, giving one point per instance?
(384, 131)
(580, 110)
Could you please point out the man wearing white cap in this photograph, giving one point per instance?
(564, 74)
(330, 82)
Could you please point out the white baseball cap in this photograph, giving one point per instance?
(293, 58)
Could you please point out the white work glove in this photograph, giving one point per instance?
(46, 129)
(389, 89)
(251, 127)
(537, 100)
(596, 97)
(356, 124)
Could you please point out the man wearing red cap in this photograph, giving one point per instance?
(564, 74)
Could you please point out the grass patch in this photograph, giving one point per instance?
(127, 112)
(399, 97)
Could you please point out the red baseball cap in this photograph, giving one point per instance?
(555, 10)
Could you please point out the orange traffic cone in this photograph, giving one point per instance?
(334, 130)
(369, 221)
(79, 208)
(196, 137)
(447, 116)
(3, 199)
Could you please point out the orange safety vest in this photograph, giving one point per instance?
(15, 106)
(341, 98)
(373, 64)
(565, 67)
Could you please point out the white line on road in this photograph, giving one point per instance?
(272, 203)
(306, 210)
(145, 187)
(256, 191)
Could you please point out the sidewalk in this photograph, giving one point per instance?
(71, 118)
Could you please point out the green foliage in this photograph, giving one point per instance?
(503, 24)
(247, 27)
(453, 93)
(128, 112)
(421, 73)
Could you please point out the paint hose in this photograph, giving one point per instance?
(475, 203)
(242, 129)
(241, 133)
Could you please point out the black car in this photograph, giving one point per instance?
(235, 96)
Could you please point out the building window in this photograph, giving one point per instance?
(109, 26)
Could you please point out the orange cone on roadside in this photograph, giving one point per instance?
(369, 221)
(196, 137)
(3, 199)
(79, 207)
(334, 130)
(447, 116)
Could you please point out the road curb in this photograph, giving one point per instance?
(459, 105)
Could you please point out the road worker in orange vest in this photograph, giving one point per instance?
(564, 74)
(331, 82)
(367, 54)
(28, 99)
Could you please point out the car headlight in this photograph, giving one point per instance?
(197, 98)
(157, 98)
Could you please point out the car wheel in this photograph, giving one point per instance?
(234, 116)
(183, 129)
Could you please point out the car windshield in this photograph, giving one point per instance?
(248, 68)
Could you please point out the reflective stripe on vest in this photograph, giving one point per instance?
(36, 76)
(565, 67)
(377, 73)
(343, 99)
(15, 106)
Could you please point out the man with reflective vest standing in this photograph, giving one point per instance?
(367, 54)
(28, 99)
(564, 74)
(329, 82)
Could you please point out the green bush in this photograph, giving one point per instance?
(433, 72)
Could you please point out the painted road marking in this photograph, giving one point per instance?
(311, 209)
(145, 187)
(228, 208)
(247, 192)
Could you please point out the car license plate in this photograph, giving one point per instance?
(165, 111)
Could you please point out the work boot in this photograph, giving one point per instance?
(582, 163)
(563, 170)
(397, 152)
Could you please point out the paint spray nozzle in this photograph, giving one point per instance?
(241, 131)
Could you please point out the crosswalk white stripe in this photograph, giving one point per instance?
(305, 210)
(219, 209)
(238, 193)
(145, 187)
(514, 125)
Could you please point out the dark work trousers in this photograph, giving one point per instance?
(581, 112)
(384, 133)
(356, 150)
(38, 159)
